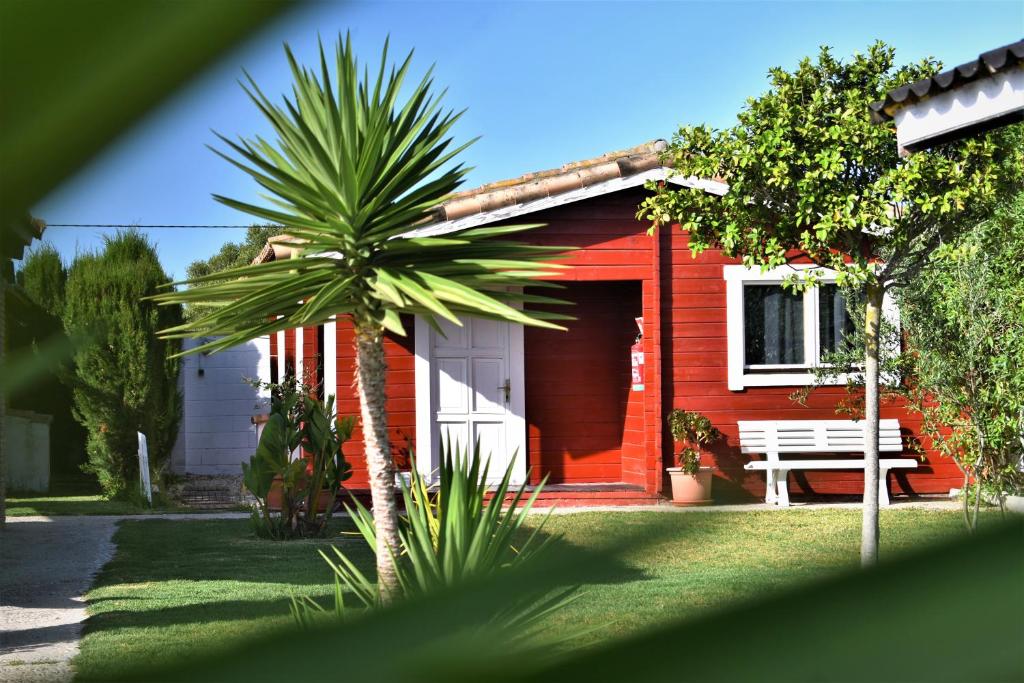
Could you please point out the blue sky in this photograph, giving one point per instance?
(544, 83)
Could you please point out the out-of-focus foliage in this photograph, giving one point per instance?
(964, 318)
(231, 255)
(908, 614)
(74, 75)
(125, 378)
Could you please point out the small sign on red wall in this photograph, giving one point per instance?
(636, 356)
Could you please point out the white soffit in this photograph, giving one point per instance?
(596, 190)
(971, 104)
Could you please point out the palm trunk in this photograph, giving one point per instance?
(869, 523)
(370, 378)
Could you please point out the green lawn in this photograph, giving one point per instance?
(175, 588)
(24, 506)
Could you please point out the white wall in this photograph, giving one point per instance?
(216, 434)
(27, 450)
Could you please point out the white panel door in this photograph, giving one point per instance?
(476, 387)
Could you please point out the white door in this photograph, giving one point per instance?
(475, 375)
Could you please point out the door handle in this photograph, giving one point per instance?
(507, 388)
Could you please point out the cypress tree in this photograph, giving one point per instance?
(43, 278)
(125, 380)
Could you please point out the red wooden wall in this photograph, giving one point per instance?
(695, 378)
(580, 411)
(400, 356)
(613, 248)
(682, 299)
(310, 351)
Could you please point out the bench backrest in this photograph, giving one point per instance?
(814, 436)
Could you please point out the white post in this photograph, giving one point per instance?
(147, 489)
(331, 357)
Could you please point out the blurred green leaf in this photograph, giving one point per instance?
(75, 74)
(19, 370)
(915, 619)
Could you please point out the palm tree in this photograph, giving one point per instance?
(352, 172)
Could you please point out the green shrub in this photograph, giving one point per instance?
(449, 537)
(231, 255)
(125, 378)
(296, 420)
(43, 277)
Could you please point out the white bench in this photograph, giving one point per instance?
(774, 437)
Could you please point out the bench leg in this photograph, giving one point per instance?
(769, 491)
(782, 496)
(883, 487)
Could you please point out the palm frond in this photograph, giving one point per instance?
(356, 167)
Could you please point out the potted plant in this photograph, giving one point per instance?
(300, 490)
(691, 483)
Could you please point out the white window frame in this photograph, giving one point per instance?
(740, 375)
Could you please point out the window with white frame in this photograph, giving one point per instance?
(776, 335)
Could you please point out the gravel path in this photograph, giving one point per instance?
(46, 566)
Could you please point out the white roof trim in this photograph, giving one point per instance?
(596, 190)
(994, 96)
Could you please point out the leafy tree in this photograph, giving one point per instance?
(354, 170)
(809, 173)
(231, 255)
(964, 318)
(126, 378)
(43, 277)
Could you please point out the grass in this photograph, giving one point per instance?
(175, 588)
(50, 506)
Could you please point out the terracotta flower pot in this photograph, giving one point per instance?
(690, 489)
(325, 501)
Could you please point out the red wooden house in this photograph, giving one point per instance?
(564, 403)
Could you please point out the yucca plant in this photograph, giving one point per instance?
(352, 172)
(450, 536)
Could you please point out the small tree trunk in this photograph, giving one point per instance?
(966, 506)
(370, 378)
(869, 524)
(977, 506)
(3, 406)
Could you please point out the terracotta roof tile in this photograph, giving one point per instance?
(539, 184)
(527, 187)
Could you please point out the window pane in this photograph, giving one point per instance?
(834, 321)
(773, 321)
